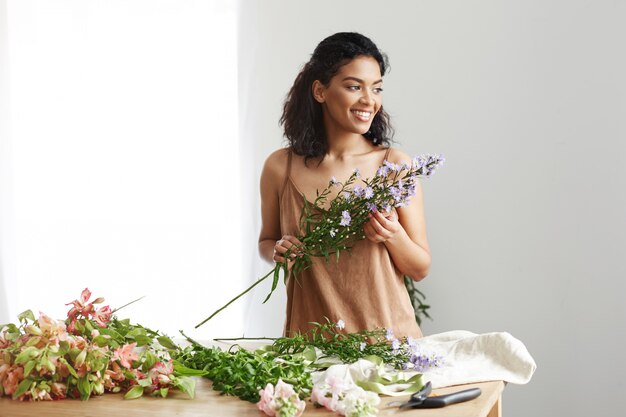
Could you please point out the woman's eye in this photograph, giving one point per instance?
(354, 87)
(378, 90)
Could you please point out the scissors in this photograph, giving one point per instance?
(421, 398)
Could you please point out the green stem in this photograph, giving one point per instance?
(237, 297)
(244, 338)
(127, 304)
(190, 339)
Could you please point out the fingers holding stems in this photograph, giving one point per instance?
(382, 226)
(283, 245)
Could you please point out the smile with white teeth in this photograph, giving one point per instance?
(362, 115)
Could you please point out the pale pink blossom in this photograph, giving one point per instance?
(281, 400)
(319, 397)
(52, 327)
(266, 403)
(126, 354)
(102, 316)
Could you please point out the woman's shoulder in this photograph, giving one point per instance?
(396, 156)
(276, 163)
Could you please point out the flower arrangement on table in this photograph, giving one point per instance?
(89, 353)
(329, 232)
(279, 376)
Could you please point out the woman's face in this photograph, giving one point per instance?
(352, 97)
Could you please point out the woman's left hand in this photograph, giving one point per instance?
(382, 226)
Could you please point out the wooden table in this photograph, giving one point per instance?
(211, 403)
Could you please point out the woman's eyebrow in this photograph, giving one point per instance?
(360, 80)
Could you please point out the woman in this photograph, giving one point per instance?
(334, 121)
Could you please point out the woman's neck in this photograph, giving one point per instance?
(347, 145)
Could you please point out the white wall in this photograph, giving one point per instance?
(117, 173)
(526, 222)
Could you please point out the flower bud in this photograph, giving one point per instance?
(98, 388)
(80, 359)
(33, 330)
(49, 365)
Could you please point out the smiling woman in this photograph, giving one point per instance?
(335, 123)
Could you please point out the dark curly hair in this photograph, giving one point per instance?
(302, 114)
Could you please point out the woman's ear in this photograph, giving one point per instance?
(318, 91)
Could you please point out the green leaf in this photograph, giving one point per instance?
(145, 382)
(150, 360)
(22, 388)
(27, 354)
(29, 367)
(143, 340)
(26, 315)
(69, 367)
(101, 341)
(134, 392)
(274, 282)
(181, 370)
(84, 388)
(187, 385)
(163, 392)
(167, 343)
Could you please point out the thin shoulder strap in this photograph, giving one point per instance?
(288, 172)
(386, 158)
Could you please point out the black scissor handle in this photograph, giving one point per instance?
(444, 400)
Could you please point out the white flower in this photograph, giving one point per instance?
(341, 324)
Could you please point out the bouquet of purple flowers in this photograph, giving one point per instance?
(328, 232)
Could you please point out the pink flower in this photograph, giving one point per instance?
(281, 400)
(52, 327)
(58, 390)
(126, 355)
(319, 397)
(14, 376)
(163, 368)
(102, 316)
(79, 305)
(160, 374)
(266, 403)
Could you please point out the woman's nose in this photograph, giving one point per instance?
(367, 97)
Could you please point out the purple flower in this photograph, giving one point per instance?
(357, 191)
(345, 218)
(389, 334)
(411, 342)
(369, 192)
(422, 362)
(333, 180)
(391, 166)
(396, 193)
(371, 206)
(418, 162)
(383, 171)
(395, 344)
(357, 173)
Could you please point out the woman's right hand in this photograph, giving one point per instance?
(282, 246)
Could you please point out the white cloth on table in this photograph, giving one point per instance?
(467, 358)
(470, 357)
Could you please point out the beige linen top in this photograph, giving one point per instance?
(364, 289)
